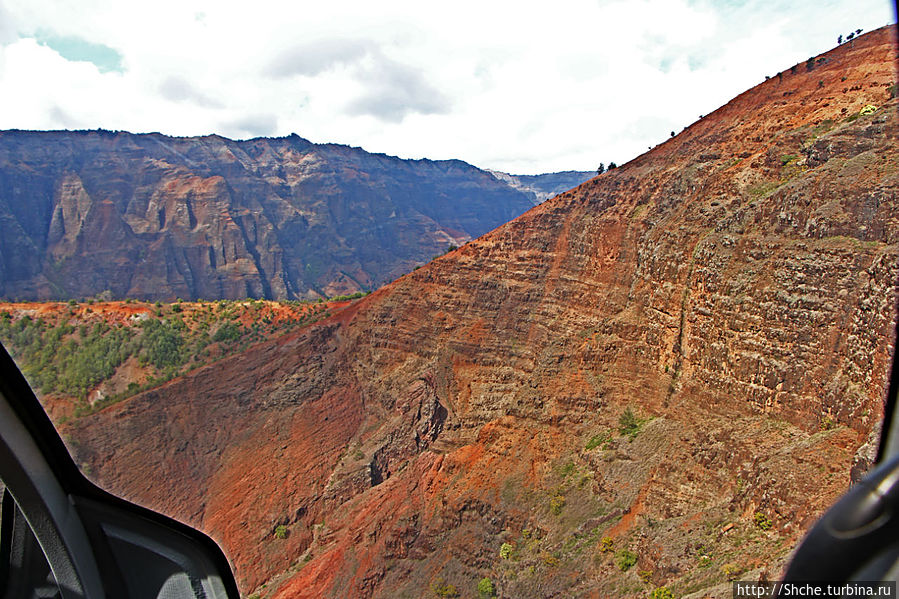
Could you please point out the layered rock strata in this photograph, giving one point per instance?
(733, 290)
(117, 215)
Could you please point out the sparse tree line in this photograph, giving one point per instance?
(849, 37)
(809, 66)
(602, 167)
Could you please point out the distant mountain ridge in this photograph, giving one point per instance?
(546, 185)
(116, 214)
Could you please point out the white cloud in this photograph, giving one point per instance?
(178, 89)
(7, 26)
(394, 90)
(312, 58)
(518, 86)
(253, 125)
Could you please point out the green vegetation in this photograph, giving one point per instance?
(762, 521)
(823, 127)
(163, 344)
(550, 560)
(731, 571)
(228, 332)
(556, 504)
(485, 588)
(61, 358)
(442, 589)
(639, 211)
(731, 163)
(344, 298)
(603, 439)
(505, 550)
(625, 559)
(73, 350)
(763, 189)
(629, 424)
(661, 593)
(606, 545)
(281, 532)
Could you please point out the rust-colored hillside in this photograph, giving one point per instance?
(659, 378)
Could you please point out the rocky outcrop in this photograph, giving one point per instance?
(156, 217)
(659, 378)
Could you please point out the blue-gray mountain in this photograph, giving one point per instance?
(115, 214)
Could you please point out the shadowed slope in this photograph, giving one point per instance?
(156, 217)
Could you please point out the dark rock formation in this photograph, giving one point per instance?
(156, 217)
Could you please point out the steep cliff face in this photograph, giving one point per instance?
(156, 217)
(659, 378)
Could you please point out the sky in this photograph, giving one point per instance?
(522, 87)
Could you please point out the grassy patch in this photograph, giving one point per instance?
(443, 589)
(556, 504)
(761, 190)
(603, 439)
(629, 424)
(731, 163)
(823, 127)
(625, 559)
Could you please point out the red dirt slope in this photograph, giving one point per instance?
(734, 288)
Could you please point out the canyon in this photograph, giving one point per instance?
(115, 215)
(657, 379)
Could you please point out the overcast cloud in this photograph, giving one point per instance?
(523, 87)
(254, 125)
(177, 89)
(393, 90)
(312, 58)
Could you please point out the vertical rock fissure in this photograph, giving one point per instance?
(682, 321)
(254, 253)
